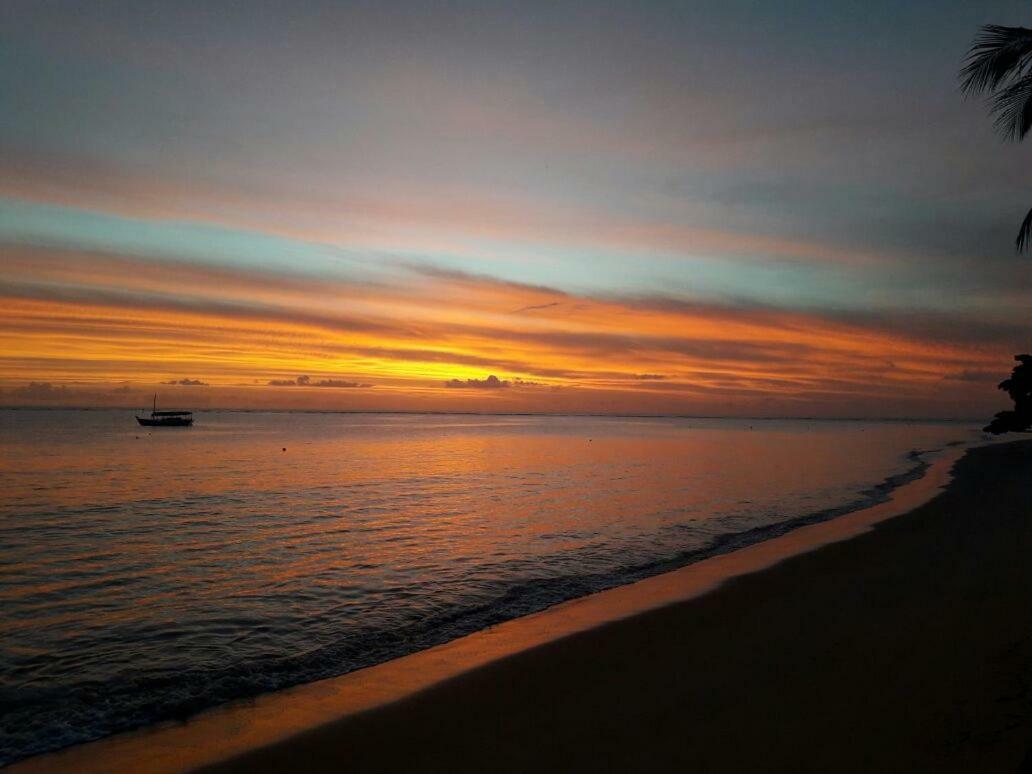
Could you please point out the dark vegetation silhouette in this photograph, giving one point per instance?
(1019, 387)
(999, 65)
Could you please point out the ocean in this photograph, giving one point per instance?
(146, 574)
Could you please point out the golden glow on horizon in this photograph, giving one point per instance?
(146, 322)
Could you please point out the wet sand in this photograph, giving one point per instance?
(904, 648)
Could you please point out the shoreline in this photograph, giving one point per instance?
(280, 718)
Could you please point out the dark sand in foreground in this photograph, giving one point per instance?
(908, 648)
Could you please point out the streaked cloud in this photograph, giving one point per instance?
(625, 208)
(132, 319)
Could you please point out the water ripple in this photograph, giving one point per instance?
(146, 579)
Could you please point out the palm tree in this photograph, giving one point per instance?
(999, 64)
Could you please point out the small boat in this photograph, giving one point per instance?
(166, 418)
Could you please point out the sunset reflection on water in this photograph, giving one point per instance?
(169, 570)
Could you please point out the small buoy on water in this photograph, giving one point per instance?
(284, 448)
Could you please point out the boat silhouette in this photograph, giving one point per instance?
(165, 418)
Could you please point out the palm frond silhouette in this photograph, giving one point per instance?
(999, 65)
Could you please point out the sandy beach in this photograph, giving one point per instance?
(905, 648)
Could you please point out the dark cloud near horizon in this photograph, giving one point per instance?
(186, 382)
(41, 391)
(49, 392)
(338, 383)
(306, 381)
(492, 382)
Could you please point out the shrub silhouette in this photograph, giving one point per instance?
(1019, 387)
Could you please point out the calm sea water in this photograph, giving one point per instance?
(147, 574)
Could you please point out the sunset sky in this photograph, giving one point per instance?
(743, 208)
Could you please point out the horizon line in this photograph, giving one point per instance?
(800, 418)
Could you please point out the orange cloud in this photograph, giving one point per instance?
(102, 319)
